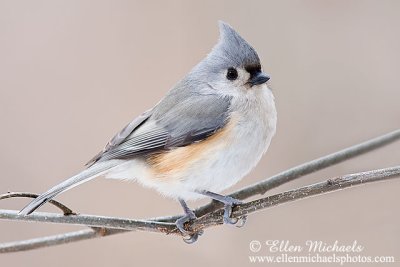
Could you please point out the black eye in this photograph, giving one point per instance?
(232, 74)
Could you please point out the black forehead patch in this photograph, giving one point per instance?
(253, 69)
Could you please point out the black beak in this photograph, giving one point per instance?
(259, 78)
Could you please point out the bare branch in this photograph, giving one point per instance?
(209, 220)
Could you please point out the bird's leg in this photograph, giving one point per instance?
(180, 223)
(228, 202)
(189, 215)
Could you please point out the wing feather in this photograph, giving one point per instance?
(168, 125)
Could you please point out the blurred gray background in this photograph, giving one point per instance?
(72, 73)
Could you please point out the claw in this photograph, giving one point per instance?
(180, 223)
(229, 203)
(241, 222)
(190, 239)
(227, 215)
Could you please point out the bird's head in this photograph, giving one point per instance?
(232, 66)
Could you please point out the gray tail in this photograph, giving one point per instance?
(82, 177)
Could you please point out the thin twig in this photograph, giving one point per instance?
(62, 207)
(209, 220)
(90, 220)
(53, 240)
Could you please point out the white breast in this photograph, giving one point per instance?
(250, 138)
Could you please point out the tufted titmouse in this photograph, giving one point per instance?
(207, 133)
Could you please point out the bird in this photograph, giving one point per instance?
(207, 133)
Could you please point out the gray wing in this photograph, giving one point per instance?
(122, 135)
(178, 120)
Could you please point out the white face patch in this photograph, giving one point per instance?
(236, 87)
(241, 80)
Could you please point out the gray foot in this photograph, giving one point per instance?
(229, 203)
(180, 224)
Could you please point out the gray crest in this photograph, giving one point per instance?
(232, 49)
